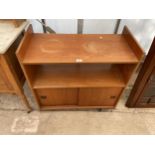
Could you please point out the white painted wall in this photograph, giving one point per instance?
(102, 26)
(143, 30)
(37, 27)
(59, 25)
(63, 25)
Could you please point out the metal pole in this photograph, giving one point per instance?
(44, 28)
(80, 26)
(117, 26)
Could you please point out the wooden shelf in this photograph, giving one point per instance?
(85, 48)
(78, 70)
(61, 76)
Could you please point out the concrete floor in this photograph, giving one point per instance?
(122, 120)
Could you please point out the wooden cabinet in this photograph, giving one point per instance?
(143, 92)
(11, 75)
(5, 85)
(72, 71)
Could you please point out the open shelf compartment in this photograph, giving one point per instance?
(79, 75)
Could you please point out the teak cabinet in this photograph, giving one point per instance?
(11, 75)
(75, 71)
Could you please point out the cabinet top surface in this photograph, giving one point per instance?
(77, 48)
(8, 34)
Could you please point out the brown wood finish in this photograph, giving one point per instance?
(11, 76)
(99, 96)
(82, 48)
(13, 62)
(5, 85)
(24, 43)
(133, 43)
(76, 75)
(143, 90)
(57, 97)
(126, 71)
(77, 71)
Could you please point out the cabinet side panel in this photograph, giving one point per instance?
(5, 85)
(13, 61)
(24, 43)
(139, 52)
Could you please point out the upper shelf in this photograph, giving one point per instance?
(79, 48)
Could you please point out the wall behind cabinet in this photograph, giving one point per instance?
(100, 26)
(63, 25)
(58, 25)
(37, 27)
(143, 30)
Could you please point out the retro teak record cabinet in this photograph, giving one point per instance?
(76, 71)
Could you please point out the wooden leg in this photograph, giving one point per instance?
(25, 102)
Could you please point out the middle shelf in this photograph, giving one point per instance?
(78, 75)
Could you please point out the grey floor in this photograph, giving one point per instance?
(122, 120)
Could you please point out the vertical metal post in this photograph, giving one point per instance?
(80, 26)
(44, 29)
(117, 26)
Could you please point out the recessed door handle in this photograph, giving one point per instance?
(43, 97)
(112, 97)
